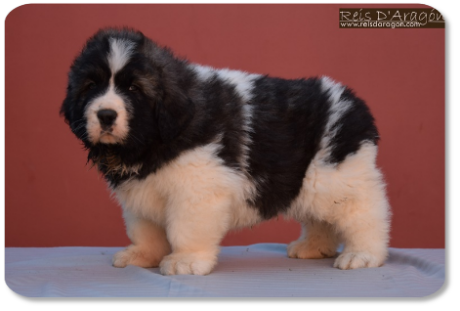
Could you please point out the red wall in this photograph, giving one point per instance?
(53, 199)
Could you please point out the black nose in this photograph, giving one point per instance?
(106, 116)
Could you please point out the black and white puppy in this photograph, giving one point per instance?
(191, 152)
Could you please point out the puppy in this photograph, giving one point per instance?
(191, 152)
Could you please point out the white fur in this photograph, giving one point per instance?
(120, 52)
(204, 72)
(242, 81)
(337, 109)
(333, 89)
(196, 199)
(149, 243)
(349, 201)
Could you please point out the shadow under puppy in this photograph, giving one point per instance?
(191, 152)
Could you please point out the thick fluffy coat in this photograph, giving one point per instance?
(191, 152)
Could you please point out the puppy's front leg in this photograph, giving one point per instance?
(149, 243)
(195, 227)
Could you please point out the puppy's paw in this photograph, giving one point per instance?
(301, 249)
(135, 256)
(355, 260)
(187, 263)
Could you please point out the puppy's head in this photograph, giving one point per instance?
(123, 92)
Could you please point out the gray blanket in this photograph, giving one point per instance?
(260, 270)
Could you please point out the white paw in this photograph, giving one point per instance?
(121, 259)
(350, 260)
(301, 249)
(135, 256)
(187, 263)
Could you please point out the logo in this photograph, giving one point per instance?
(390, 18)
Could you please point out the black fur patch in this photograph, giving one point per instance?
(289, 117)
(354, 127)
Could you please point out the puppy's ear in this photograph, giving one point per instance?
(174, 113)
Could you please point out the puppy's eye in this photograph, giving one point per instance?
(133, 88)
(91, 86)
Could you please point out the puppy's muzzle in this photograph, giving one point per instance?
(106, 117)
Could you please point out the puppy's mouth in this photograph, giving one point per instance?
(103, 134)
(107, 137)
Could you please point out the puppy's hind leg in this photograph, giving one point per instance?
(318, 240)
(363, 220)
(149, 244)
(364, 227)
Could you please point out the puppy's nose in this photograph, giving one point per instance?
(106, 116)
